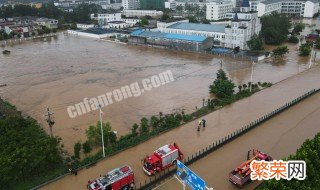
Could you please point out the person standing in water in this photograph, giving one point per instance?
(203, 123)
(199, 125)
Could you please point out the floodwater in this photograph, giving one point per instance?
(219, 124)
(63, 70)
(278, 137)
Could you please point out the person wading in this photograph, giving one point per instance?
(199, 125)
(203, 123)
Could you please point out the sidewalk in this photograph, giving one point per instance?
(219, 124)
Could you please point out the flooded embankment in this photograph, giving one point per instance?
(64, 70)
(278, 137)
(219, 124)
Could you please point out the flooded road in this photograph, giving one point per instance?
(219, 124)
(64, 70)
(278, 137)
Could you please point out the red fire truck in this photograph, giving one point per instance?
(162, 158)
(117, 179)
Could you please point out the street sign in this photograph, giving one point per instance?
(189, 177)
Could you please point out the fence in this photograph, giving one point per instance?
(153, 181)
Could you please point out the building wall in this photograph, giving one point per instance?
(301, 8)
(241, 31)
(182, 45)
(142, 13)
(266, 9)
(217, 11)
(310, 9)
(152, 4)
(131, 4)
(105, 18)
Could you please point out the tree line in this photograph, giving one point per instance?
(27, 153)
(81, 14)
(310, 153)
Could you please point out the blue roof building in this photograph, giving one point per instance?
(199, 27)
(151, 34)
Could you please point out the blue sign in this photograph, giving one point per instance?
(189, 177)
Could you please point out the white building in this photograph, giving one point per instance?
(50, 23)
(311, 8)
(218, 10)
(130, 21)
(233, 33)
(142, 13)
(85, 26)
(131, 4)
(171, 4)
(107, 17)
(299, 8)
(243, 26)
(267, 7)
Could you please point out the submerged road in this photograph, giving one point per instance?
(219, 124)
(278, 137)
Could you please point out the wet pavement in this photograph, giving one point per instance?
(219, 124)
(278, 137)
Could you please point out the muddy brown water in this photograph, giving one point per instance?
(279, 137)
(219, 124)
(65, 69)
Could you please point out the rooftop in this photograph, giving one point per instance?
(192, 38)
(199, 27)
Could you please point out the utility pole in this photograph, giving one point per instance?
(251, 80)
(49, 119)
(100, 113)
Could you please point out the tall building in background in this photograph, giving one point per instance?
(130, 4)
(152, 4)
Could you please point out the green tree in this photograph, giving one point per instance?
(205, 21)
(255, 43)
(293, 39)
(299, 27)
(193, 19)
(275, 28)
(73, 26)
(280, 51)
(94, 134)
(222, 87)
(308, 152)
(134, 129)
(144, 22)
(317, 43)
(86, 147)
(76, 149)
(165, 17)
(154, 121)
(46, 30)
(304, 50)
(179, 8)
(144, 127)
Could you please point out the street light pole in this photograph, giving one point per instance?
(100, 113)
(251, 80)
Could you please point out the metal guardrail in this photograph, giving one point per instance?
(154, 181)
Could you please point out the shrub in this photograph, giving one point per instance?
(86, 147)
(76, 149)
(293, 39)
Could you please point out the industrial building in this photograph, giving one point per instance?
(173, 41)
